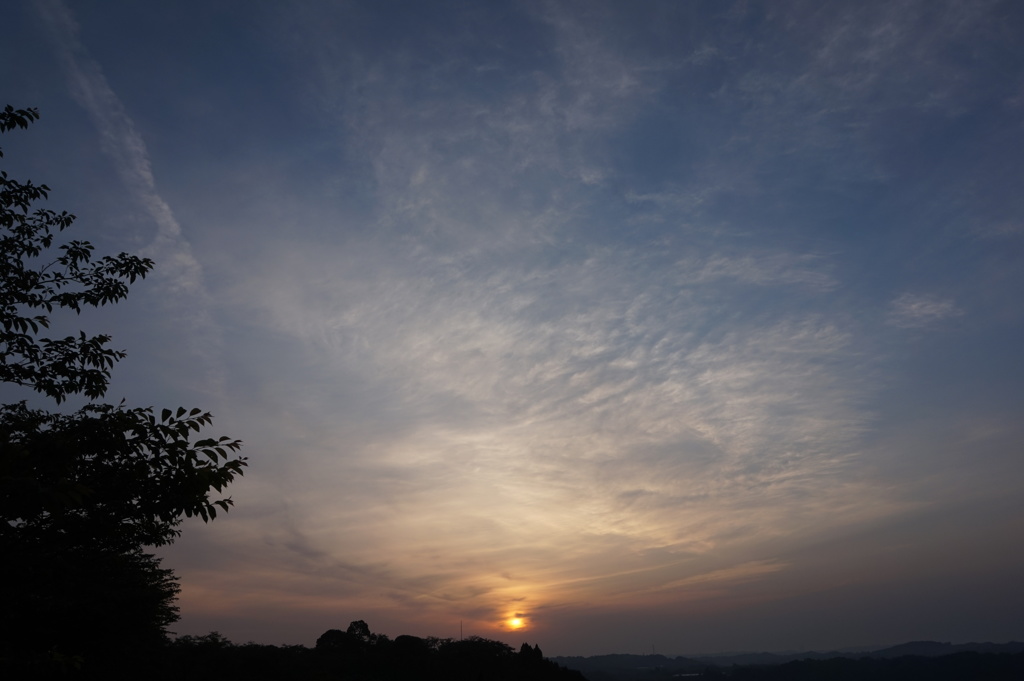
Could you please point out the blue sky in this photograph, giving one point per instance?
(685, 324)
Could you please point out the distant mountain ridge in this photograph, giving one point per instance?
(619, 666)
(933, 649)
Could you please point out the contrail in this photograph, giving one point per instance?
(177, 269)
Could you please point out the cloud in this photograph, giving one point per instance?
(488, 389)
(911, 310)
(545, 420)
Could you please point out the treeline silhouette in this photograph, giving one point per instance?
(356, 654)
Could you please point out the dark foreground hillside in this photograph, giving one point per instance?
(956, 667)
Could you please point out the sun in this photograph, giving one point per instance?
(516, 622)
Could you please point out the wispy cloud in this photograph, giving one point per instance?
(555, 419)
(503, 395)
(916, 310)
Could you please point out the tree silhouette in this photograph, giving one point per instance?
(83, 493)
(358, 653)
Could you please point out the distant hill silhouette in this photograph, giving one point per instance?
(908, 661)
(934, 649)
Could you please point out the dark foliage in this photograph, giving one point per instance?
(107, 475)
(29, 287)
(97, 613)
(83, 493)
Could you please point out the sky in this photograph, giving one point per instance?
(674, 326)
